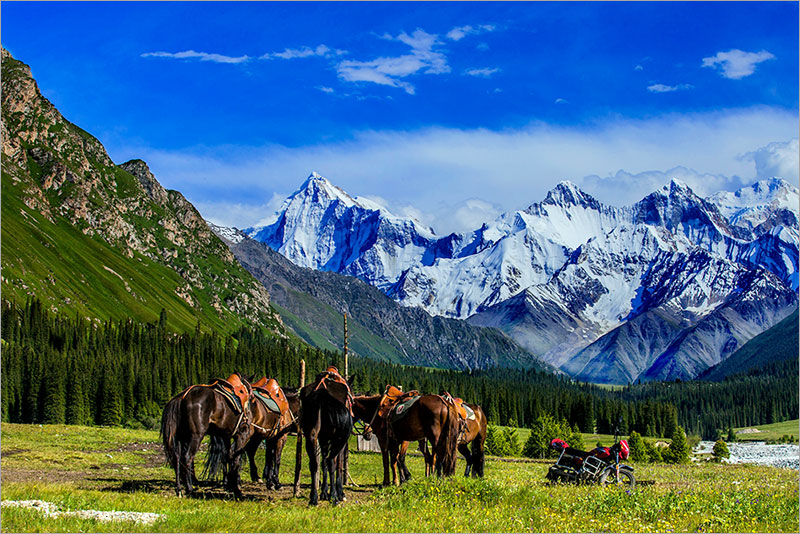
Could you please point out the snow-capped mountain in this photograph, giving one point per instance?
(322, 227)
(609, 294)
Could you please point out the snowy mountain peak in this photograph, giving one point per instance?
(567, 194)
(320, 189)
(772, 201)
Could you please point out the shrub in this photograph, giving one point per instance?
(544, 430)
(501, 442)
(720, 451)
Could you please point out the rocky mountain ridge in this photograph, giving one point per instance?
(103, 239)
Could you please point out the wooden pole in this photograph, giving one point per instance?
(346, 359)
(346, 459)
(299, 451)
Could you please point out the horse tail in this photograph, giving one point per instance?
(170, 420)
(449, 441)
(216, 459)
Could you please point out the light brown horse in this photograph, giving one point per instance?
(432, 419)
(272, 429)
(472, 431)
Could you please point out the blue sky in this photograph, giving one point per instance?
(447, 111)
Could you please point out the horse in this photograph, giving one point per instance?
(326, 423)
(430, 418)
(473, 431)
(200, 410)
(365, 408)
(272, 429)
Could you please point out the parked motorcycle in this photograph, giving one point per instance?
(600, 465)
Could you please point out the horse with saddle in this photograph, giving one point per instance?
(398, 417)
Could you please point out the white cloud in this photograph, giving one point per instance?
(560, 101)
(459, 32)
(325, 89)
(482, 73)
(435, 169)
(202, 56)
(777, 159)
(661, 88)
(303, 52)
(735, 64)
(423, 59)
(240, 214)
(638, 67)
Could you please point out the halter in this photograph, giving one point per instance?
(377, 409)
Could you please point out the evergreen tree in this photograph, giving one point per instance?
(678, 450)
(111, 411)
(637, 447)
(731, 435)
(54, 409)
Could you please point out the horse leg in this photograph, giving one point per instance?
(384, 443)
(269, 463)
(405, 474)
(463, 448)
(298, 462)
(313, 466)
(276, 467)
(394, 452)
(177, 461)
(252, 450)
(324, 495)
(239, 446)
(189, 451)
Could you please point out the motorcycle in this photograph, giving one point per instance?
(600, 465)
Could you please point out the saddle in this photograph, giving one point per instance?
(461, 408)
(233, 389)
(391, 398)
(332, 374)
(271, 394)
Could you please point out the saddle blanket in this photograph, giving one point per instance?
(401, 409)
(268, 402)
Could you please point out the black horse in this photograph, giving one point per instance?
(201, 410)
(326, 423)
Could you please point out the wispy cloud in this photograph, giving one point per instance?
(202, 56)
(424, 58)
(303, 52)
(459, 32)
(661, 88)
(560, 101)
(736, 64)
(325, 89)
(435, 169)
(481, 73)
(638, 67)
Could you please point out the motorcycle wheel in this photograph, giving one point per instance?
(626, 478)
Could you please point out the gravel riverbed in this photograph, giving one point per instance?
(757, 452)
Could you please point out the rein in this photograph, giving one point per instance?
(374, 415)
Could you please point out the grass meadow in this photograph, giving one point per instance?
(120, 469)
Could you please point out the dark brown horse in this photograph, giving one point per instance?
(326, 423)
(472, 431)
(273, 430)
(195, 412)
(432, 419)
(365, 408)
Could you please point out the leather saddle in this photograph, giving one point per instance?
(233, 389)
(461, 408)
(391, 398)
(235, 385)
(267, 390)
(336, 385)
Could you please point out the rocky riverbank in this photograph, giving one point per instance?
(757, 452)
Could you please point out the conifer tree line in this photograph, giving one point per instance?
(61, 369)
